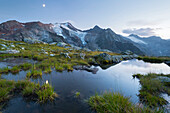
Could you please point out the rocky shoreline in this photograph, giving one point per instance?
(105, 58)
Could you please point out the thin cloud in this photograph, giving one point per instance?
(140, 31)
(143, 23)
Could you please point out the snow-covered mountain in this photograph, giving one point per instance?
(67, 30)
(94, 39)
(152, 46)
(136, 40)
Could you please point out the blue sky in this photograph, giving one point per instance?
(143, 17)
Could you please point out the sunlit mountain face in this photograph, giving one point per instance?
(94, 39)
(84, 56)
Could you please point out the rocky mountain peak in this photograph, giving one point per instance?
(94, 39)
(96, 27)
(10, 26)
(134, 35)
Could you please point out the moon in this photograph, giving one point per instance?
(43, 5)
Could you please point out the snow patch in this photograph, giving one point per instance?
(136, 40)
(77, 33)
(58, 29)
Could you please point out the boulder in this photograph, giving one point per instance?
(62, 44)
(3, 45)
(9, 52)
(66, 55)
(104, 50)
(105, 58)
(75, 47)
(128, 52)
(89, 69)
(54, 43)
(82, 55)
(86, 49)
(12, 45)
(52, 55)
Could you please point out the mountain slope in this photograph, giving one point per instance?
(98, 38)
(152, 46)
(94, 39)
(29, 32)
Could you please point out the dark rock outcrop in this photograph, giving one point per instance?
(87, 68)
(105, 58)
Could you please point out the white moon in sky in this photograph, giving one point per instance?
(43, 5)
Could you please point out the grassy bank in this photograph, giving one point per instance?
(154, 59)
(16, 69)
(47, 57)
(151, 89)
(26, 89)
(117, 103)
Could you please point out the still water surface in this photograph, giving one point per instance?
(117, 78)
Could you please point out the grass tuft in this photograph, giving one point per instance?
(151, 89)
(116, 103)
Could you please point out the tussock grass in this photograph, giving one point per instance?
(47, 70)
(45, 93)
(59, 68)
(4, 70)
(15, 69)
(26, 66)
(116, 103)
(28, 89)
(151, 89)
(34, 73)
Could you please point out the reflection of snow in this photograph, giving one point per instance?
(139, 63)
(139, 66)
(166, 97)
